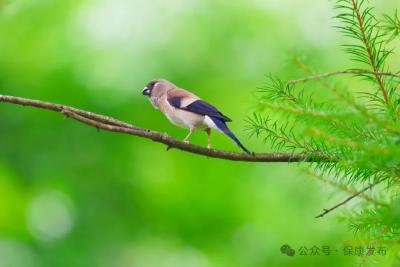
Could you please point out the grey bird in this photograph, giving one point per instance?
(187, 110)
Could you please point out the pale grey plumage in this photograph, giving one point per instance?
(187, 110)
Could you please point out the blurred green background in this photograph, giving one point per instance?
(70, 196)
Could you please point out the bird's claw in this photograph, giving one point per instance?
(186, 141)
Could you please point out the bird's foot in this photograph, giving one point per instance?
(186, 141)
(209, 146)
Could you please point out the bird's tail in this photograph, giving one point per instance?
(222, 127)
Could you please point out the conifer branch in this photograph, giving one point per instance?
(340, 72)
(359, 108)
(359, 132)
(371, 56)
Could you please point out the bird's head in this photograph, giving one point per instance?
(156, 88)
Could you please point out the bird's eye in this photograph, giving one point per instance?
(146, 91)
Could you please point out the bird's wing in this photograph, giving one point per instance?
(182, 99)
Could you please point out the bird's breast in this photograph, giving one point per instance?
(182, 118)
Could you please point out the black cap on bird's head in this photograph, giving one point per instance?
(157, 87)
(148, 88)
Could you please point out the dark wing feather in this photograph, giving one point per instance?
(199, 107)
(175, 101)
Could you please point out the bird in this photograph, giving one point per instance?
(184, 109)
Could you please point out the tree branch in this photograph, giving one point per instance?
(114, 125)
(339, 72)
(346, 189)
(326, 211)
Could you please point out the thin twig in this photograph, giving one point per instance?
(340, 72)
(326, 211)
(113, 125)
(346, 189)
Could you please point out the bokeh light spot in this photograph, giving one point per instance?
(50, 216)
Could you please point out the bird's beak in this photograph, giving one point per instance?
(146, 91)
